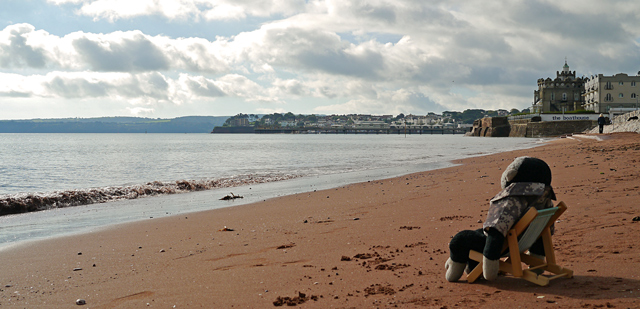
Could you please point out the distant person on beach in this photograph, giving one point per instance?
(525, 183)
(601, 122)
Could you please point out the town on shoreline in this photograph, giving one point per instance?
(449, 122)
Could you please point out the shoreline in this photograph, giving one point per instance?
(379, 243)
(94, 216)
(100, 216)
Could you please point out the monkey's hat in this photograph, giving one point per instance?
(527, 169)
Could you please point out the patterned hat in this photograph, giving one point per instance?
(527, 169)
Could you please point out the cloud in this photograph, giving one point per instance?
(14, 94)
(121, 52)
(290, 87)
(113, 85)
(17, 48)
(117, 9)
(201, 86)
(87, 85)
(16, 85)
(386, 102)
(271, 110)
(317, 51)
(134, 88)
(383, 56)
(113, 10)
(242, 87)
(140, 111)
(21, 46)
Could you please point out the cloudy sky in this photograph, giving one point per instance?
(170, 58)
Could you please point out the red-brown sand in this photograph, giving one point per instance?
(378, 244)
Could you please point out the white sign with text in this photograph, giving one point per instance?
(568, 117)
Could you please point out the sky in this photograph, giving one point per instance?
(172, 58)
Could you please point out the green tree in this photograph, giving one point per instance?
(312, 118)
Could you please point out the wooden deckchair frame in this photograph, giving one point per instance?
(515, 252)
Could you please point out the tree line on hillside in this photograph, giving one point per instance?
(470, 115)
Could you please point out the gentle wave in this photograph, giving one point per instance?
(30, 202)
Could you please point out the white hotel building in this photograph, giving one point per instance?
(602, 93)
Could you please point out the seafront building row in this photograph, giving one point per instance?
(598, 93)
(348, 124)
(359, 122)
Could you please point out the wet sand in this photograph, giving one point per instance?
(374, 244)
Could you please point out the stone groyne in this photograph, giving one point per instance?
(491, 127)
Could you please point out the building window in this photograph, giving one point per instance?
(608, 97)
(620, 95)
(564, 96)
(633, 83)
(620, 83)
(633, 95)
(576, 96)
(553, 96)
(608, 86)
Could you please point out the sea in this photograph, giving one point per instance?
(60, 184)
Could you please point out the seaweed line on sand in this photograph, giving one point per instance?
(29, 202)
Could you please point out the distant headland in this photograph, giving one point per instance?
(189, 124)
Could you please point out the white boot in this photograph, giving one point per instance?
(490, 268)
(454, 270)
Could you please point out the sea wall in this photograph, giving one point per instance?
(502, 127)
(558, 128)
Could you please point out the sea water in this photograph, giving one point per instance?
(114, 178)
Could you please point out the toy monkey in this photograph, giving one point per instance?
(525, 183)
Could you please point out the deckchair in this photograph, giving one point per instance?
(532, 225)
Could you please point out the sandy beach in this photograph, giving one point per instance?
(378, 244)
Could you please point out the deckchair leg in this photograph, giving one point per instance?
(535, 278)
(477, 271)
(531, 261)
(506, 266)
(514, 254)
(548, 246)
(559, 270)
